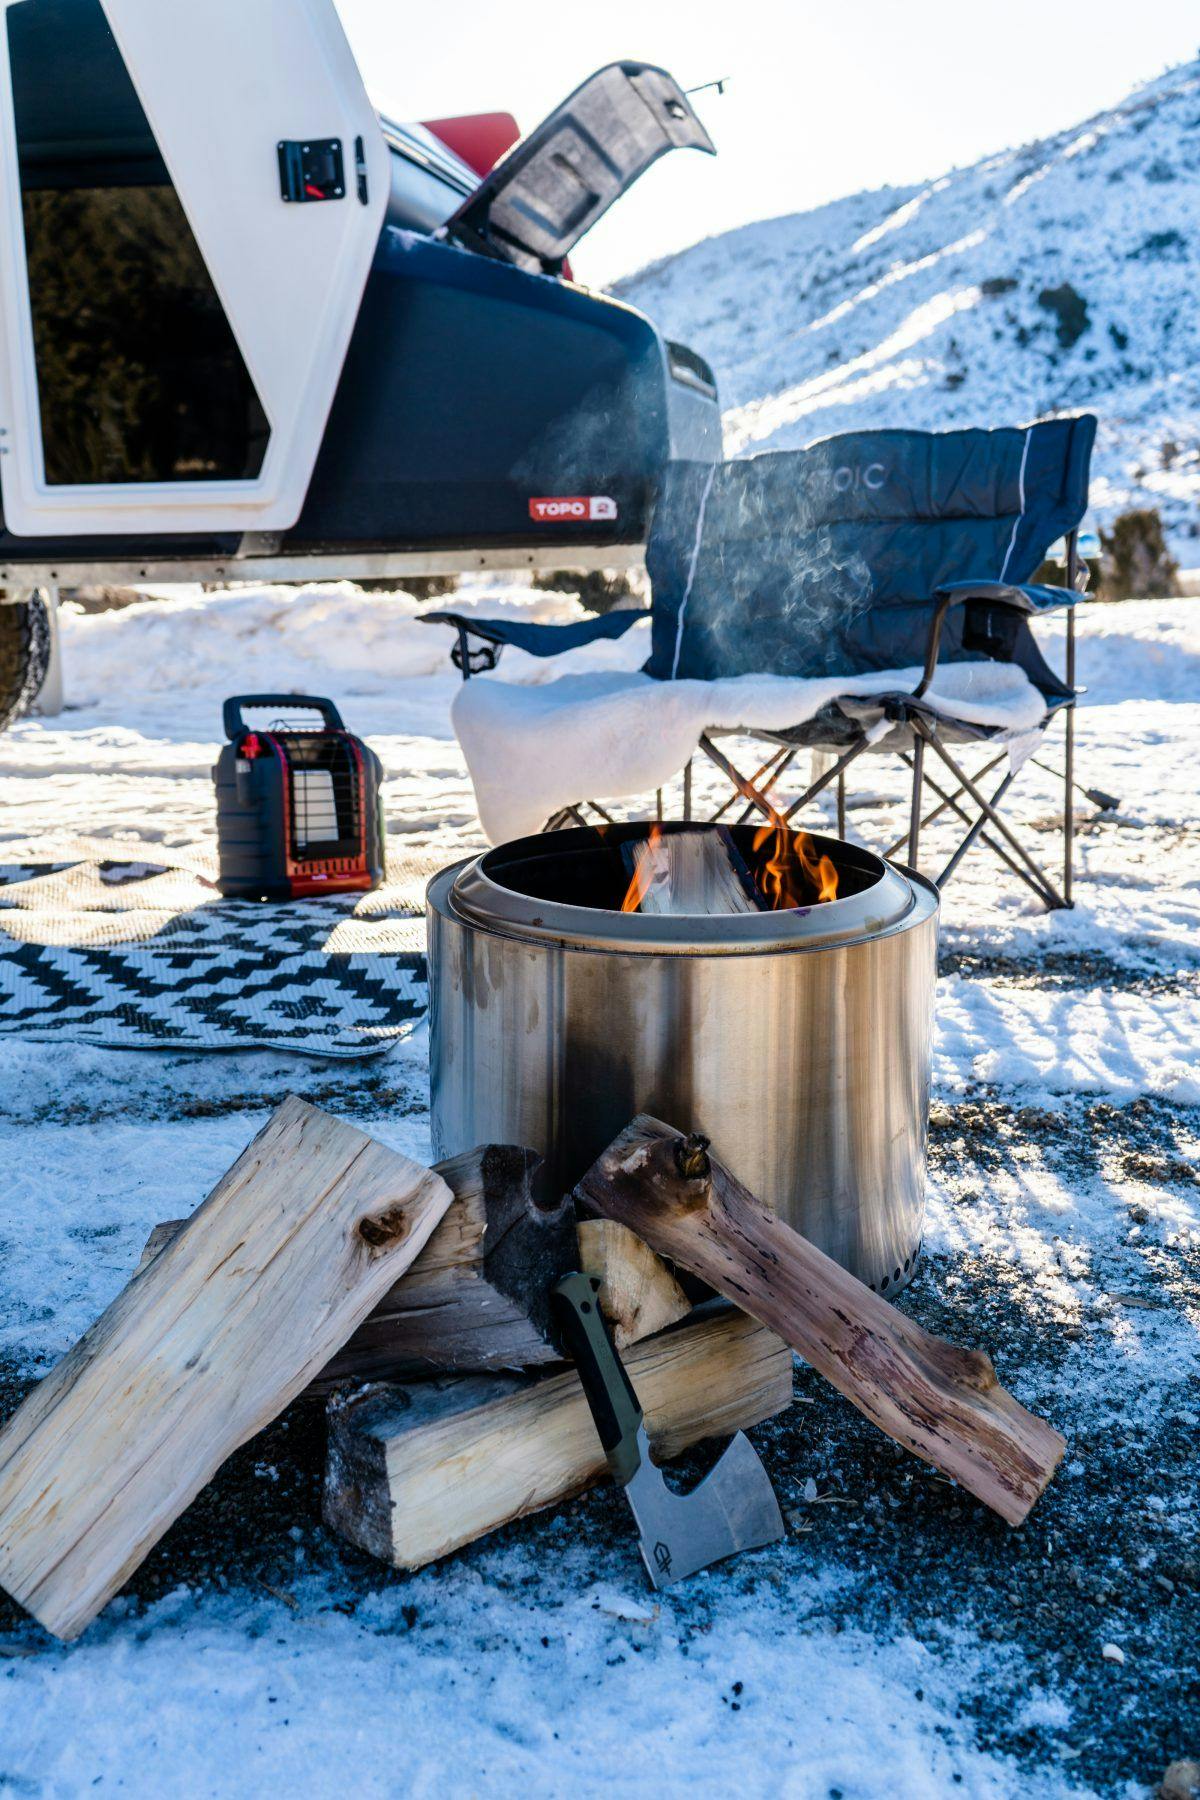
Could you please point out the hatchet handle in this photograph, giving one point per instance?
(615, 1407)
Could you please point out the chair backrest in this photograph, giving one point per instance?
(823, 561)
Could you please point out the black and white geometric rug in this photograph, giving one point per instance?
(105, 947)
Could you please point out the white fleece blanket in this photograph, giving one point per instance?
(610, 734)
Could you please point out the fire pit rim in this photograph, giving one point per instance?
(471, 891)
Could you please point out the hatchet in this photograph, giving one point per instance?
(733, 1509)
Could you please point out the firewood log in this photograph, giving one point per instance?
(638, 1294)
(477, 1297)
(414, 1472)
(209, 1342)
(942, 1402)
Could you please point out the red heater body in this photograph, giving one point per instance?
(298, 807)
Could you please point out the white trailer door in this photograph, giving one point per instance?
(192, 196)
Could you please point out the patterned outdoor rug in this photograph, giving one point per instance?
(101, 945)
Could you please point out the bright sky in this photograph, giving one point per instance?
(825, 96)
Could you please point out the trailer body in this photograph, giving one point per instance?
(249, 326)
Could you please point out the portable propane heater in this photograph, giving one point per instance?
(298, 809)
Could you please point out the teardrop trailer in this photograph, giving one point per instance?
(280, 337)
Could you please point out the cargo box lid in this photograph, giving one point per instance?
(539, 200)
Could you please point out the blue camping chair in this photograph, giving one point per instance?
(872, 551)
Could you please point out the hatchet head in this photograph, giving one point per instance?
(733, 1509)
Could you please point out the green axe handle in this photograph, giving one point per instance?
(615, 1408)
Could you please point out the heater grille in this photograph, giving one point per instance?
(325, 793)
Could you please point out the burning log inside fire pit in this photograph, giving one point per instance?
(691, 873)
(941, 1402)
(701, 873)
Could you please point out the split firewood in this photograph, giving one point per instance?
(940, 1401)
(477, 1297)
(206, 1345)
(638, 1293)
(416, 1472)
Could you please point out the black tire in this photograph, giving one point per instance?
(24, 656)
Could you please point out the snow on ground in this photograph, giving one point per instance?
(900, 1642)
(1059, 276)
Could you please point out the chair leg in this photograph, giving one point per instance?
(1069, 773)
(564, 816)
(832, 774)
(759, 802)
(1051, 895)
(998, 850)
(687, 788)
(974, 832)
(782, 765)
(935, 812)
(1069, 811)
(841, 804)
(914, 817)
(772, 767)
(744, 787)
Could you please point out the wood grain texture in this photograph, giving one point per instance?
(638, 1293)
(942, 1402)
(207, 1344)
(477, 1296)
(416, 1472)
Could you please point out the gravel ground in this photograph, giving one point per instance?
(1097, 1562)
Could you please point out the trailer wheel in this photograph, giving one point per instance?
(24, 656)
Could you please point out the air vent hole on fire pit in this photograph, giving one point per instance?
(898, 1277)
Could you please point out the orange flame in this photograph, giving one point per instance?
(793, 868)
(643, 872)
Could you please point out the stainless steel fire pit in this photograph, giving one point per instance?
(798, 1040)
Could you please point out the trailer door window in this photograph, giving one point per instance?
(139, 375)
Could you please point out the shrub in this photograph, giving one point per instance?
(1137, 563)
(1070, 311)
(421, 587)
(597, 589)
(1169, 244)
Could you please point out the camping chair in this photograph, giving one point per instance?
(862, 554)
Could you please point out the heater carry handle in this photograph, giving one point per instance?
(235, 725)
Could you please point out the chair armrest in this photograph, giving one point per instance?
(1023, 597)
(1027, 597)
(535, 640)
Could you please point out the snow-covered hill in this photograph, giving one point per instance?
(1061, 276)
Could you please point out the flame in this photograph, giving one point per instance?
(793, 868)
(643, 872)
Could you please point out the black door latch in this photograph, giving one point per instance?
(311, 171)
